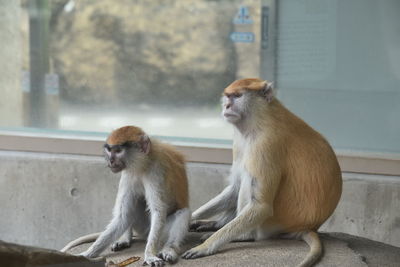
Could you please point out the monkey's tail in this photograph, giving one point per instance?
(81, 240)
(312, 239)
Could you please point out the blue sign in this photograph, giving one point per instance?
(242, 37)
(243, 16)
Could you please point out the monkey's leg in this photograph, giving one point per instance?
(253, 214)
(225, 200)
(177, 230)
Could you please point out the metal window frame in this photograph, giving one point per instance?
(350, 161)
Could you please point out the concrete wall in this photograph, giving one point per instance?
(49, 199)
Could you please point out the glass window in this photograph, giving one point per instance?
(162, 65)
(92, 66)
(338, 67)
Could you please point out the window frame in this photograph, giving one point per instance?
(350, 161)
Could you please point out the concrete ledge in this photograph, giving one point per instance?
(339, 250)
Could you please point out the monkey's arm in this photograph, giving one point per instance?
(119, 224)
(158, 211)
(253, 214)
(223, 205)
(222, 202)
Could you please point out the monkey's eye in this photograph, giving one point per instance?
(237, 95)
(135, 145)
(107, 147)
(130, 144)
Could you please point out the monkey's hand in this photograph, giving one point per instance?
(204, 226)
(197, 252)
(153, 261)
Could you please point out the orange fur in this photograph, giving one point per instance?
(173, 163)
(298, 169)
(125, 134)
(240, 86)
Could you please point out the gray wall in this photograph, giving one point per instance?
(50, 199)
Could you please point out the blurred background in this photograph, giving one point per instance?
(92, 66)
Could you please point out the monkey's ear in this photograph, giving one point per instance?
(145, 144)
(268, 91)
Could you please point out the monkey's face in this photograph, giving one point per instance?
(243, 97)
(127, 154)
(116, 156)
(234, 106)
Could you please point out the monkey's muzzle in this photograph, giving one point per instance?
(116, 167)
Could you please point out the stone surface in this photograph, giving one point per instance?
(339, 250)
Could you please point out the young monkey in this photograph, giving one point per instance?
(152, 197)
(285, 178)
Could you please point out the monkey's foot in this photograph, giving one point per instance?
(153, 261)
(196, 252)
(169, 255)
(120, 245)
(204, 226)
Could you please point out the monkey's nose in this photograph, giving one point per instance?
(228, 105)
(112, 160)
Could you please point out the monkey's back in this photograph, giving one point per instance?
(311, 182)
(173, 164)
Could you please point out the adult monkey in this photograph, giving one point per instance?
(285, 178)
